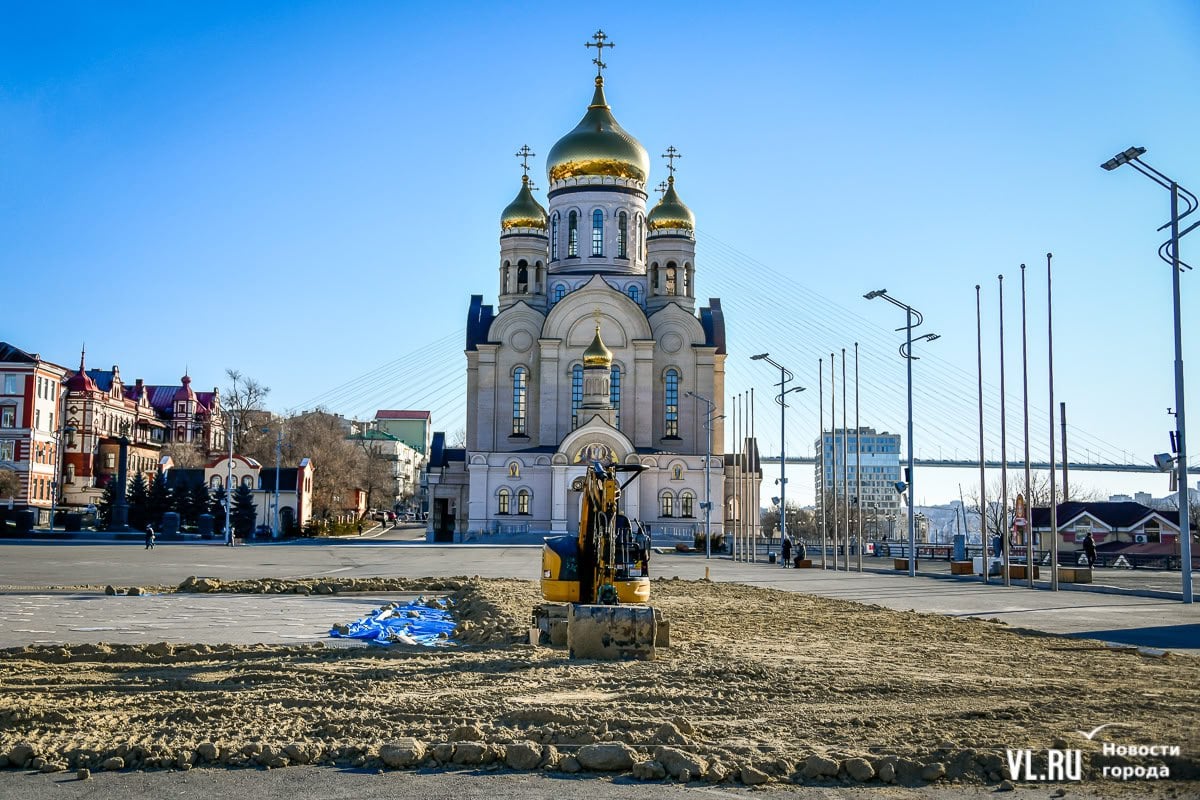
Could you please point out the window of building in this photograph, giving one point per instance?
(670, 287)
(523, 501)
(8, 416)
(576, 394)
(666, 505)
(687, 502)
(8, 450)
(1153, 532)
(554, 237)
(671, 404)
(635, 294)
(614, 394)
(502, 499)
(37, 419)
(573, 235)
(522, 276)
(622, 232)
(520, 397)
(597, 232)
(110, 460)
(560, 291)
(641, 232)
(10, 384)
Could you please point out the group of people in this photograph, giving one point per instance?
(785, 549)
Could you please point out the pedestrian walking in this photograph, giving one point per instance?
(786, 546)
(149, 537)
(1089, 549)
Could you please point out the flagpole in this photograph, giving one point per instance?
(983, 537)
(1003, 452)
(1027, 533)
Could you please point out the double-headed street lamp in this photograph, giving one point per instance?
(906, 353)
(785, 376)
(1169, 252)
(67, 432)
(709, 421)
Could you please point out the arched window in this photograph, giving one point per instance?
(576, 394)
(572, 235)
(520, 397)
(641, 238)
(554, 237)
(635, 294)
(522, 276)
(666, 505)
(622, 225)
(687, 501)
(671, 404)
(654, 283)
(687, 281)
(597, 232)
(614, 394)
(504, 287)
(523, 501)
(502, 498)
(560, 291)
(670, 284)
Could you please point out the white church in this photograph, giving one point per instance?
(596, 351)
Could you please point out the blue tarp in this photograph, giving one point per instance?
(413, 623)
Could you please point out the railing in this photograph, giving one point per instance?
(669, 534)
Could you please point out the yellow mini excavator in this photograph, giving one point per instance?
(598, 582)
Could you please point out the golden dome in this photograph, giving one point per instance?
(670, 212)
(598, 146)
(597, 355)
(525, 211)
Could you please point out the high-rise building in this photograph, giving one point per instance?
(880, 471)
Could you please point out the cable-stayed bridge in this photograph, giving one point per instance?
(1074, 466)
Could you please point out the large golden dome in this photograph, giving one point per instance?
(525, 211)
(598, 146)
(670, 212)
(597, 354)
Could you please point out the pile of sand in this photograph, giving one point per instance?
(758, 686)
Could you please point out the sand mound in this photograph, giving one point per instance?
(758, 686)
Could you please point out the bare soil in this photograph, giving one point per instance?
(755, 679)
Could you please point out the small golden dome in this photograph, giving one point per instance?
(525, 211)
(598, 146)
(597, 355)
(670, 212)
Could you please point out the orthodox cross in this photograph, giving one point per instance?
(601, 42)
(524, 154)
(662, 187)
(670, 156)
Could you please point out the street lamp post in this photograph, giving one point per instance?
(785, 376)
(709, 421)
(1169, 252)
(67, 431)
(906, 353)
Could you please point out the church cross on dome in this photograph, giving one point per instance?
(662, 187)
(601, 42)
(670, 156)
(525, 154)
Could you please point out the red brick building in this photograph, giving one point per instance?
(31, 426)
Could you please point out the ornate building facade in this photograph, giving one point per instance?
(596, 350)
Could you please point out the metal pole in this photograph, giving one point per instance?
(912, 519)
(708, 486)
(858, 464)
(822, 484)
(1185, 530)
(1062, 417)
(754, 519)
(983, 538)
(1027, 534)
(278, 453)
(737, 478)
(229, 489)
(1053, 493)
(783, 373)
(837, 531)
(54, 482)
(1007, 579)
(845, 471)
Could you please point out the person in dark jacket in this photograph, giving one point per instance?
(1089, 549)
(149, 537)
(786, 546)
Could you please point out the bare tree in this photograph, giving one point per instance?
(9, 483)
(458, 438)
(322, 437)
(375, 472)
(1039, 497)
(184, 455)
(245, 400)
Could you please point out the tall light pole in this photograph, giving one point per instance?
(229, 540)
(65, 431)
(1169, 252)
(709, 421)
(906, 354)
(785, 376)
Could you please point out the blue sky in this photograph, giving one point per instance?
(309, 192)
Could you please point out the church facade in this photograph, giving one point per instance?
(597, 350)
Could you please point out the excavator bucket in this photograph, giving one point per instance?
(611, 633)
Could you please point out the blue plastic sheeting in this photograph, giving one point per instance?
(414, 623)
